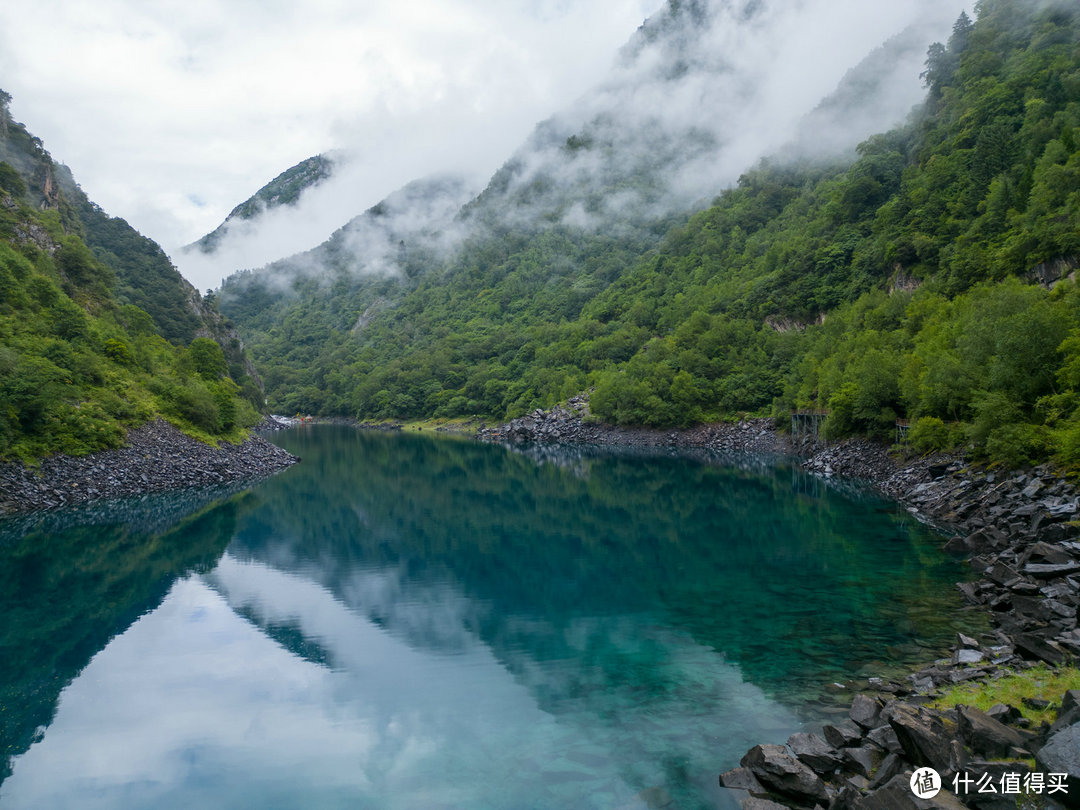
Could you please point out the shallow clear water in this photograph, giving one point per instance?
(405, 621)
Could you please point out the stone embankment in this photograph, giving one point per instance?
(571, 425)
(1020, 532)
(867, 760)
(157, 458)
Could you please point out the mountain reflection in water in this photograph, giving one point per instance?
(404, 621)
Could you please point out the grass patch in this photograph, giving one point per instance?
(462, 424)
(1038, 682)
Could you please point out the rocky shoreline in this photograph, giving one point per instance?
(157, 458)
(1019, 531)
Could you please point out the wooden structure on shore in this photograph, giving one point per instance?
(902, 428)
(808, 424)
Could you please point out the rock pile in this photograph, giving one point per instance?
(1019, 530)
(571, 425)
(867, 760)
(158, 458)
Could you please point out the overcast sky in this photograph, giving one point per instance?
(170, 112)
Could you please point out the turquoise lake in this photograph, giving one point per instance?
(406, 621)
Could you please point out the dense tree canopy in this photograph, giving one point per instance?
(911, 282)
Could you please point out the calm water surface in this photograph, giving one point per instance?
(410, 622)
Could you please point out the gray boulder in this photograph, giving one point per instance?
(863, 760)
(780, 772)
(986, 736)
(842, 735)
(922, 734)
(865, 712)
(885, 738)
(741, 779)
(815, 752)
(1061, 754)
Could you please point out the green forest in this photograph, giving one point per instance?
(98, 332)
(931, 280)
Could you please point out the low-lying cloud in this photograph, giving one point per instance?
(696, 97)
(170, 113)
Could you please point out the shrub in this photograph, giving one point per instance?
(207, 359)
(930, 435)
(118, 350)
(1017, 445)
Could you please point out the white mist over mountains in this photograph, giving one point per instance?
(700, 93)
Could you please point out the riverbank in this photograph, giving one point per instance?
(157, 458)
(1019, 532)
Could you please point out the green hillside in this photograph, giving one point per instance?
(98, 332)
(912, 283)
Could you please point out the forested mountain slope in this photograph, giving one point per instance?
(98, 332)
(591, 190)
(910, 283)
(285, 189)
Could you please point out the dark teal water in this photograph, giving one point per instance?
(410, 622)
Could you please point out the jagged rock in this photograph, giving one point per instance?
(741, 779)
(1034, 648)
(849, 798)
(1066, 716)
(1003, 713)
(922, 734)
(1070, 700)
(885, 738)
(1051, 570)
(865, 711)
(1055, 532)
(815, 752)
(1042, 552)
(1002, 573)
(1061, 754)
(842, 735)
(863, 760)
(957, 545)
(986, 736)
(961, 675)
(779, 771)
(967, 641)
(968, 590)
(892, 765)
(967, 656)
(858, 781)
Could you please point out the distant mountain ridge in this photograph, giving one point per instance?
(660, 134)
(285, 189)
